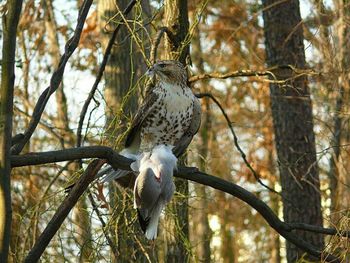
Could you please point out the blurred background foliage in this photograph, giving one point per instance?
(225, 36)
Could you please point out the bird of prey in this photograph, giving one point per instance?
(154, 186)
(169, 115)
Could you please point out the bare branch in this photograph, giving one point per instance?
(118, 161)
(281, 227)
(318, 229)
(100, 73)
(233, 74)
(256, 73)
(103, 223)
(157, 40)
(235, 139)
(10, 19)
(63, 211)
(56, 78)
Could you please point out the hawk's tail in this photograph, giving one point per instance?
(108, 174)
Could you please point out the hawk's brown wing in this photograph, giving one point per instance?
(182, 144)
(133, 139)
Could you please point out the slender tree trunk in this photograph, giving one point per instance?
(201, 230)
(228, 240)
(176, 19)
(9, 22)
(292, 118)
(339, 133)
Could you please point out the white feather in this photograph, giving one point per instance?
(162, 162)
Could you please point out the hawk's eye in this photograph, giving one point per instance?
(162, 65)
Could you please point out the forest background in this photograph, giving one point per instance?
(273, 79)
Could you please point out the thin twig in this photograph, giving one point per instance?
(318, 229)
(256, 73)
(233, 74)
(235, 140)
(63, 211)
(103, 223)
(56, 78)
(100, 73)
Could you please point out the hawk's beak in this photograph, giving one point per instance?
(150, 72)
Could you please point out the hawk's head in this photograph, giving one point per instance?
(170, 71)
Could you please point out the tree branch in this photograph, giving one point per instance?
(56, 78)
(100, 73)
(103, 152)
(63, 211)
(157, 40)
(118, 161)
(233, 74)
(235, 140)
(257, 73)
(104, 226)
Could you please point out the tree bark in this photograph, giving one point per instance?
(201, 230)
(176, 20)
(292, 119)
(10, 23)
(121, 71)
(340, 134)
(118, 75)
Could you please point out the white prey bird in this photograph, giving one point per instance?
(154, 186)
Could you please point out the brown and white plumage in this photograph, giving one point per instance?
(170, 114)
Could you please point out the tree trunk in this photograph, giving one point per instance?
(118, 74)
(292, 118)
(119, 78)
(340, 134)
(201, 233)
(176, 19)
(9, 22)
(228, 251)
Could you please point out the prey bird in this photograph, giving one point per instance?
(154, 186)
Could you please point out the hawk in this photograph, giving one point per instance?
(168, 119)
(169, 115)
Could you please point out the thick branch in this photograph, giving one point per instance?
(63, 211)
(281, 227)
(56, 78)
(118, 161)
